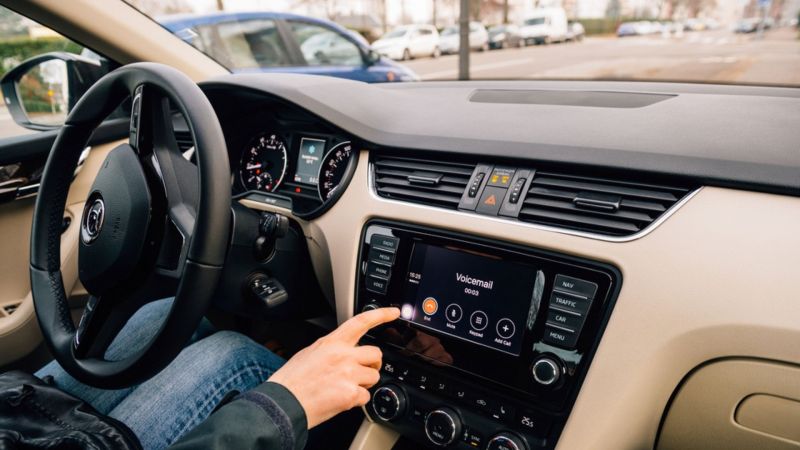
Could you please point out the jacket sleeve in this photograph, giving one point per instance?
(267, 417)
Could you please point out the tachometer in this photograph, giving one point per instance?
(333, 169)
(263, 163)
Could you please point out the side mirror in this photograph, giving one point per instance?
(40, 92)
(372, 57)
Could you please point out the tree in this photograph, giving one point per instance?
(614, 9)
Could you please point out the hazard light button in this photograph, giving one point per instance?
(490, 201)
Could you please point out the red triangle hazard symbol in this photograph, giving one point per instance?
(491, 201)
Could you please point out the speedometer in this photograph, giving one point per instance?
(263, 163)
(333, 169)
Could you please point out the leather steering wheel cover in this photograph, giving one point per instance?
(206, 252)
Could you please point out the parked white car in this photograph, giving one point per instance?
(545, 25)
(450, 40)
(409, 41)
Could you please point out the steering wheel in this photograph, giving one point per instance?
(154, 225)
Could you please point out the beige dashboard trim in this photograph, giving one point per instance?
(640, 234)
(717, 279)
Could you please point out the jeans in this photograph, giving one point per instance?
(163, 408)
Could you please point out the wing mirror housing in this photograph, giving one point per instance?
(372, 57)
(41, 91)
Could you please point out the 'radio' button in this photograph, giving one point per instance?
(388, 243)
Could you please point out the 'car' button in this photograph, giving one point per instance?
(564, 319)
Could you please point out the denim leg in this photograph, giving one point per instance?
(162, 409)
(140, 327)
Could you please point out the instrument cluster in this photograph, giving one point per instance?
(302, 170)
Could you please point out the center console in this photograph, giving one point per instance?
(493, 341)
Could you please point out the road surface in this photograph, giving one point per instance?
(710, 56)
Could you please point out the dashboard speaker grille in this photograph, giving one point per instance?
(428, 182)
(597, 205)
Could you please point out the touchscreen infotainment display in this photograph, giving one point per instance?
(478, 298)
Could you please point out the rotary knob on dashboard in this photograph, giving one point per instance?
(506, 441)
(547, 371)
(389, 402)
(443, 426)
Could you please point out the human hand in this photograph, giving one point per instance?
(332, 375)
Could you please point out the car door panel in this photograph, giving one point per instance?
(19, 331)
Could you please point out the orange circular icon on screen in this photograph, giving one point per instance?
(430, 306)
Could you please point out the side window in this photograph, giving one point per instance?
(42, 90)
(247, 44)
(322, 46)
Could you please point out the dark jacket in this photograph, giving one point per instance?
(268, 417)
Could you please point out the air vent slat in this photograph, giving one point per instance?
(184, 140)
(422, 197)
(577, 221)
(557, 199)
(429, 166)
(457, 181)
(437, 183)
(570, 207)
(403, 183)
(580, 185)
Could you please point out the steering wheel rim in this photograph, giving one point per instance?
(202, 220)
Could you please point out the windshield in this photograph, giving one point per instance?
(749, 42)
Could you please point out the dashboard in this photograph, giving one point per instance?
(563, 271)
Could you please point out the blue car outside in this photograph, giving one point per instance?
(283, 42)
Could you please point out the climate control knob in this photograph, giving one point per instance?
(443, 426)
(506, 441)
(547, 370)
(389, 402)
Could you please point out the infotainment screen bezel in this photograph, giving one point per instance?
(482, 365)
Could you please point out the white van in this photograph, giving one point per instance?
(409, 41)
(545, 25)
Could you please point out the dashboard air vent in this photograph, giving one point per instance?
(436, 183)
(596, 205)
(184, 140)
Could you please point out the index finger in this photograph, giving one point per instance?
(353, 329)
